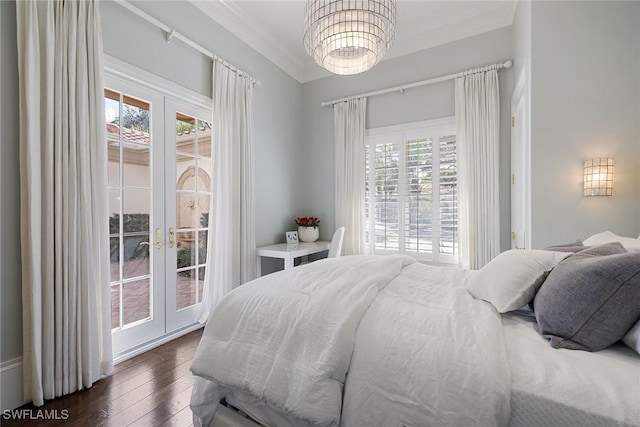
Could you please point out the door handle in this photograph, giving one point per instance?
(158, 243)
(172, 237)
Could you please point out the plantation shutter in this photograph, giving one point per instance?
(448, 201)
(411, 194)
(418, 200)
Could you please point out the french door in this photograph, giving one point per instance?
(159, 154)
(188, 182)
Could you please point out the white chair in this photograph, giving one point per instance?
(335, 248)
(336, 243)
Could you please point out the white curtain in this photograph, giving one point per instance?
(64, 213)
(231, 258)
(349, 119)
(478, 138)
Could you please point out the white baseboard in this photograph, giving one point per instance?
(11, 384)
(11, 390)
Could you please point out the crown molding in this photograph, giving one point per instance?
(230, 16)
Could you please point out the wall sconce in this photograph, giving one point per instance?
(598, 177)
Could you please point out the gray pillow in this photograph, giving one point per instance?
(590, 300)
(576, 246)
(600, 250)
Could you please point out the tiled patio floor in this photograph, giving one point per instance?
(136, 294)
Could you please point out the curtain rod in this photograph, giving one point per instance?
(402, 88)
(171, 33)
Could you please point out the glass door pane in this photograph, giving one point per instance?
(135, 203)
(188, 198)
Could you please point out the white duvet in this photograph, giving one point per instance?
(287, 338)
(428, 354)
(418, 349)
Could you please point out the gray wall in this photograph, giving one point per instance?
(10, 289)
(423, 103)
(585, 104)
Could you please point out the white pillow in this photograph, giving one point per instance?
(512, 279)
(629, 243)
(632, 338)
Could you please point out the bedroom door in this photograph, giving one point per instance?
(188, 183)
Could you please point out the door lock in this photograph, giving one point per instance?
(158, 238)
(172, 237)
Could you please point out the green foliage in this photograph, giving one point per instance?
(134, 118)
(186, 256)
(183, 127)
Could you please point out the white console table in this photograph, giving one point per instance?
(288, 252)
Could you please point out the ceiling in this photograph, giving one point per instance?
(274, 28)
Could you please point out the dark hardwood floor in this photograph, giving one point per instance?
(149, 390)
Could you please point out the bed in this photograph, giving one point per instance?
(387, 341)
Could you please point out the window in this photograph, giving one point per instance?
(411, 190)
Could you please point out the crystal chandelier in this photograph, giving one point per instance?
(349, 36)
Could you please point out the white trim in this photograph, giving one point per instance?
(11, 395)
(163, 339)
(520, 102)
(124, 71)
(233, 18)
(10, 364)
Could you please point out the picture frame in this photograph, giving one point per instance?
(292, 237)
